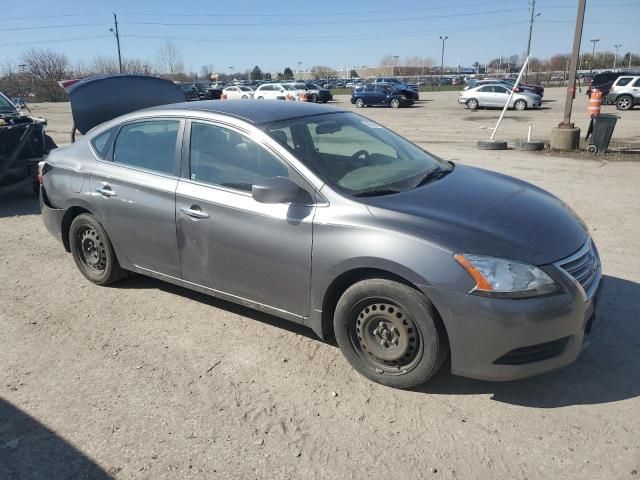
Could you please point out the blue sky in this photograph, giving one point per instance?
(328, 32)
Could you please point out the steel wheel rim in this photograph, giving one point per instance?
(91, 250)
(624, 103)
(520, 105)
(472, 104)
(385, 337)
(359, 102)
(395, 103)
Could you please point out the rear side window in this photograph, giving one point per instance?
(150, 145)
(622, 81)
(637, 83)
(101, 143)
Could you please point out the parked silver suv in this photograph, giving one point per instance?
(625, 92)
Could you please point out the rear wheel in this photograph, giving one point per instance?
(359, 103)
(92, 251)
(389, 332)
(624, 102)
(472, 104)
(395, 102)
(244, 97)
(314, 99)
(520, 105)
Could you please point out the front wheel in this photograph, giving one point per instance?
(359, 103)
(390, 333)
(395, 103)
(472, 104)
(520, 105)
(92, 251)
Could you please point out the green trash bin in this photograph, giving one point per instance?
(601, 133)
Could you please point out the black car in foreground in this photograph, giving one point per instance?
(380, 94)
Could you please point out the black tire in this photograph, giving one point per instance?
(472, 104)
(314, 98)
(489, 145)
(520, 105)
(395, 103)
(260, 98)
(359, 102)
(244, 97)
(92, 251)
(390, 333)
(532, 146)
(624, 102)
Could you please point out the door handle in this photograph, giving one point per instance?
(106, 191)
(194, 212)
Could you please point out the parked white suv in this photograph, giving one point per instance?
(237, 92)
(279, 91)
(625, 92)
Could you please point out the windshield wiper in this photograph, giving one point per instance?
(375, 192)
(434, 174)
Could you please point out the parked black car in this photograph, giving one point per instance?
(410, 88)
(380, 94)
(190, 92)
(603, 81)
(323, 95)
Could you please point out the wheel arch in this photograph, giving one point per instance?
(67, 219)
(323, 325)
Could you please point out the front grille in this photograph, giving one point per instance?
(584, 266)
(533, 353)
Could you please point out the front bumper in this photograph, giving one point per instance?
(52, 217)
(483, 331)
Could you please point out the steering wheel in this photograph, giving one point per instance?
(359, 153)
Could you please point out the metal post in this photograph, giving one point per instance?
(615, 58)
(444, 39)
(593, 53)
(395, 69)
(571, 85)
(513, 90)
(115, 21)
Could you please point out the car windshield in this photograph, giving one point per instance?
(354, 154)
(6, 106)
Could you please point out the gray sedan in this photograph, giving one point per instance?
(496, 96)
(325, 218)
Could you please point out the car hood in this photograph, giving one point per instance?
(471, 210)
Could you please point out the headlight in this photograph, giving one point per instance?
(497, 277)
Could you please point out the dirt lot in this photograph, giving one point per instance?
(147, 380)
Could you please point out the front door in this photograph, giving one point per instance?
(134, 192)
(257, 252)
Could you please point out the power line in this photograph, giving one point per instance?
(14, 29)
(39, 42)
(62, 15)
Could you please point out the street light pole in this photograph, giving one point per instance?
(231, 72)
(396, 67)
(615, 59)
(115, 32)
(299, 70)
(444, 39)
(593, 53)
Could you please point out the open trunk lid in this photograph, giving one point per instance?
(96, 100)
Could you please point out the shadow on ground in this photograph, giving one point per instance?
(31, 451)
(606, 371)
(20, 202)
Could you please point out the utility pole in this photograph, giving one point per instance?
(395, 69)
(566, 136)
(444, 39)
(531, 20)
(615, 59)
(299, 70)
(593, 53)
(117, 34)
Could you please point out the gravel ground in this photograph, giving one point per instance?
(148, 380)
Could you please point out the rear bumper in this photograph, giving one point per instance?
(51, 217)
(506, 339)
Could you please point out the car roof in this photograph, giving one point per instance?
(253, 111)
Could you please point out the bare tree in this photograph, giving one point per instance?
(46, 68)
(387, 61)
(170, 60)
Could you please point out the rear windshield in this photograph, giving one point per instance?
(6, 106)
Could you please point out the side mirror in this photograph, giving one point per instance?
(275, 190)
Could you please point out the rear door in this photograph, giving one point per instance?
(134, 191)
(228, 242)
(500, 95)
(635, 89)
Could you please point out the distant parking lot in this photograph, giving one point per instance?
(148, 380)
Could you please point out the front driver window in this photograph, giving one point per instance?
(223, 157)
